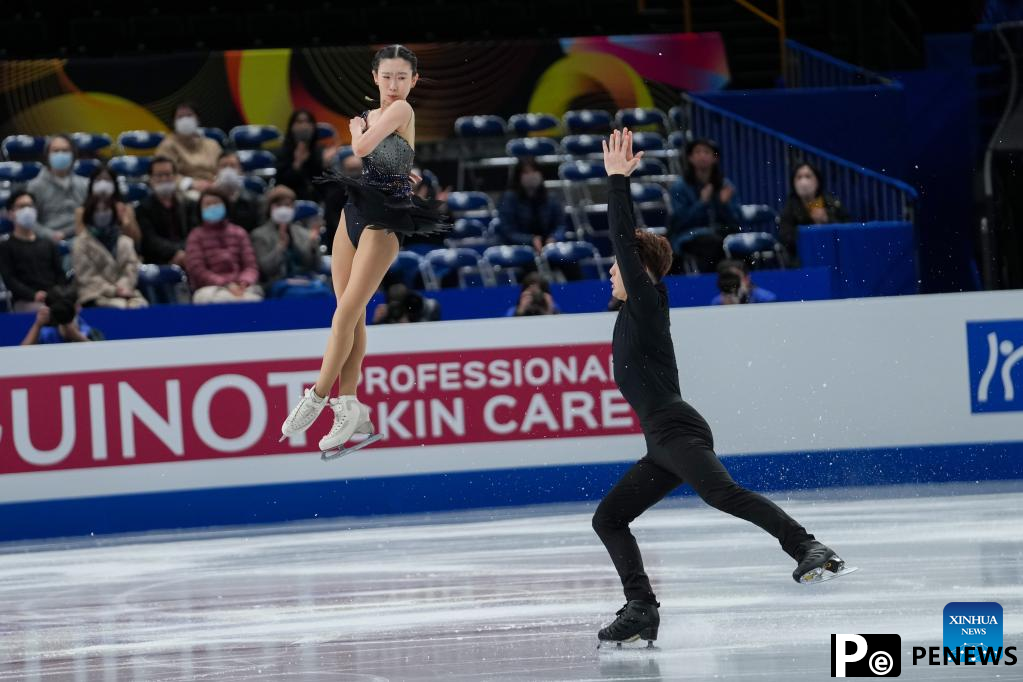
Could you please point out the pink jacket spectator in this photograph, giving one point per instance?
(218, 255)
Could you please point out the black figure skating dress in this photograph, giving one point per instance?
(382, 198)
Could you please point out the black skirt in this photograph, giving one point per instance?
(381, 211)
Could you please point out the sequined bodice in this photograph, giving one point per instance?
(388, 166)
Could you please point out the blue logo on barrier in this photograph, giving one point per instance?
(996, 365)
(975, 624)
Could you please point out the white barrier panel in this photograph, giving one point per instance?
(188, 413)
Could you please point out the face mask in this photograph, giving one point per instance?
(165, 189)
(229, 178)
(186, 125)
(60, 161)
(805, 187)
(282, 215)
(103, 188)
(103, 217)
(214, 213)
(531, 180)
(26, 216)
(302, 134)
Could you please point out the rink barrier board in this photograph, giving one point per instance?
(267, 504)
(871, 391)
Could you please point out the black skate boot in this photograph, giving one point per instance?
(819, 563)
(636, 620)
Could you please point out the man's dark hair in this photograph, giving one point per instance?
(654, 252)
(164, 159)
(61, 302)
(17, 195)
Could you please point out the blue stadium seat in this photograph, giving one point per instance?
(579, 254)
(524, 124)
(581, 171)
(23, 147)
(587, 121)
(19, 171)
(86, 167)
(420, 248)
(325, 131)
(139, 140)
(343, 152)
(470, 233)
(759, 249)
(531, 146)
(509, 262)
(640, 117)
(650, 167)
(480, 126)
(647, 142)
(465, 266)
(677, 140)
(470, 205)
(652, 205)
(677, 117)
(582, 145)
(410, 266)
(91, 143)
(214, 134)
(254, 184)
(253, 136)
(130, 166)
(135, 191)
(306, 209)
(257, 160)
(758, 218)
(681, 244)
(163, 283)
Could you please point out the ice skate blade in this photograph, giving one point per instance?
(819, 575)
(341, 452)
(634, 644)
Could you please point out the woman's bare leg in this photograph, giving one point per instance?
(377, 250)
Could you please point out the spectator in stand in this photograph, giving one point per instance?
(703, 197)
(166, 216)
(404, 305)
(808, 204)
(534, 298)
(194, 154)
(106, 265)
(60, 321)
(300, 158)
(736, 286)
(102, 183)
(288, 253)
(243, 206)
(529, 215)
(218, 256)
(58, 191)
(30, 265)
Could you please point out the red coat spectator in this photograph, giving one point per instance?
(219, 257)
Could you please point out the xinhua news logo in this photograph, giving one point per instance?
(866, 655)
(995, 351)
(973, 627)
(971, 636)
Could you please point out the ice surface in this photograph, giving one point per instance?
(510, 595)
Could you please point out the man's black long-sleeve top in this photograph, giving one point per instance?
(644, 355)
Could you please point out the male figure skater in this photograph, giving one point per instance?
(680, 446)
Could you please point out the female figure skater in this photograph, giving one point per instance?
(381, 200)
(680, 447)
